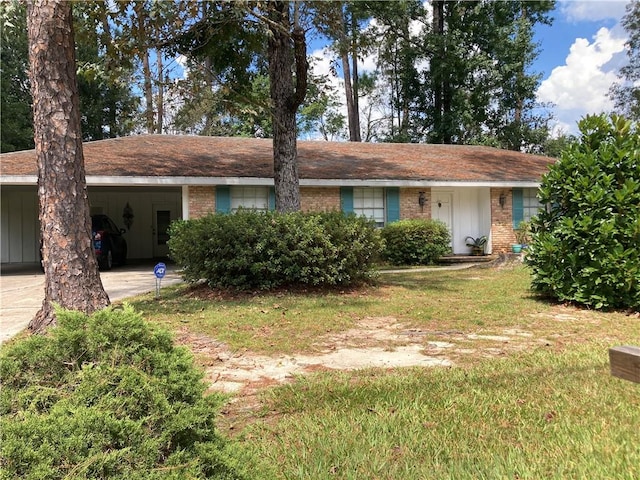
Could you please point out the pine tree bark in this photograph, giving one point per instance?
(348, 45)
(286, 50)
(71, 271)
(438, 81)
(142, 34)
(159, 127)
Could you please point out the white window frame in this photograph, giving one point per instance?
(251, 197)
(371, 203)
(530, 203)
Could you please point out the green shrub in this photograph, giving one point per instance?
(584, 246)
(415, 242)
(107, 396)
(263, 250)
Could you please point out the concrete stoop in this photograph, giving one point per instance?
(454, 259)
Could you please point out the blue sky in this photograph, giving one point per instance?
(581, 53)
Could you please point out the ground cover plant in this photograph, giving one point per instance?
(107, 396)
(527, 393)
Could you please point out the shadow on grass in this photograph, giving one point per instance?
(440, 281)
(190, 299)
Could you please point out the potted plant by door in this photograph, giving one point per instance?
(522, 236)
(477, 244)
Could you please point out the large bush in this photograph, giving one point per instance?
(262, 250)
(106, 396)
(415, 242)
(585, 245)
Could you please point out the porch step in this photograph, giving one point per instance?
(453, 259)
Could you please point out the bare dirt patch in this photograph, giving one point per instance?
(375, 342)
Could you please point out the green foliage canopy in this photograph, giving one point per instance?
(16, 123)
(585, 244)
(107, 103)
(626, 93)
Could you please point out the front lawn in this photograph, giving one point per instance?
(529, 394)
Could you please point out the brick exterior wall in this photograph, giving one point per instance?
(409, 206)
(502, 235)
(319, 199)
(202, 200)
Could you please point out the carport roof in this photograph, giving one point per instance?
(195, 158)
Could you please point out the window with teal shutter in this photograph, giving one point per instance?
(223, 199)
(346, 199)
(393, 204)
(272, 198)
(252, 197)
(517, 212)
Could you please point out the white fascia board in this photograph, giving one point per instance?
(414, 183)
(120, 181)
(19, 180)
(175, 181)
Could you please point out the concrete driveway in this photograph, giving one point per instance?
(22, 290)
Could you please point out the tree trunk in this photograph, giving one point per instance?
(285, 102)
(349, 76)
(355, 80)
(142, 36)
(348, 92)
(438, 87)
(160, 101)
(71, 271)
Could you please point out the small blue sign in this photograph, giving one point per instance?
(160, 270)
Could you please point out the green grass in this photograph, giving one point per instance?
(480, 301)
(545, 407)
(290, 322)
(539, 415)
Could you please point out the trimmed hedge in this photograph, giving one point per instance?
(415, 242)
(264, 250)
(107, 396)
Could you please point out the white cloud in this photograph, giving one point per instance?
(182, 62)
(592, 10)
(581, 85)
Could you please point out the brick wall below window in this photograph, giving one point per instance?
(202, 200)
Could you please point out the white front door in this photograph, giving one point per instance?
(442, 209)
(163, 215)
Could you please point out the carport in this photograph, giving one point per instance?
(145, 213)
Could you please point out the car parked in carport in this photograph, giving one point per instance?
(109, 244)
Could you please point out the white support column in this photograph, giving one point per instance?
(185, 202)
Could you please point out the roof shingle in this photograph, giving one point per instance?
(196, 156)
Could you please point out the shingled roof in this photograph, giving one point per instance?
(195, 157)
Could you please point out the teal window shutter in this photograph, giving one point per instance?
(517, 212)
(346, 199)
(223, 199)
(272, 198)
(393, 204)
